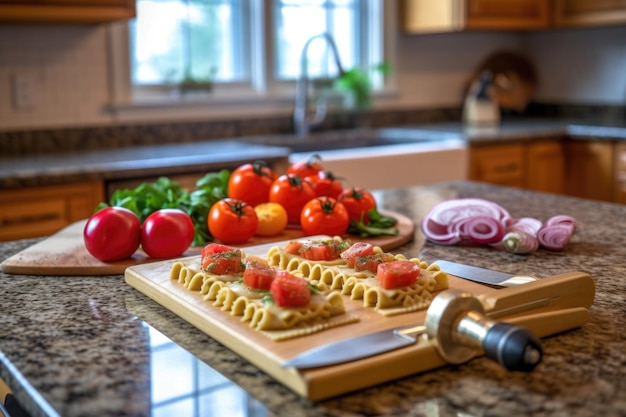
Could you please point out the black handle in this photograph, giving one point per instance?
(513, 347)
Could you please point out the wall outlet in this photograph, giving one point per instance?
(23, 92)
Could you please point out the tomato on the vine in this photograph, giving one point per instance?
(306, 168)
(325, 184)
(232, 221)
(112, 234)
(358, 202)
(251, 183)
(324, 216)
(167, 233)
(291, 192)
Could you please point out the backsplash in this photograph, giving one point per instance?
(49, 141)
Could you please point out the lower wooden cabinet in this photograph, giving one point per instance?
(498, 164)
(590, 169)
(619, 183)
(43, 210)
(545, 166)
(535, 165)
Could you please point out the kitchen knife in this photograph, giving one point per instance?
(457, 327)
(484, 276)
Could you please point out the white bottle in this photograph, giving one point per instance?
(480, 108)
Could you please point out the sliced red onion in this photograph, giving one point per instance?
(484, 229)
(520, 242)
(555, 237)
(562, 219)
(451, 211)
(528, 225)
(437, 233)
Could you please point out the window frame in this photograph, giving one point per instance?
(130, 102)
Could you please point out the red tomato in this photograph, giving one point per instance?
(232, 221)
(258, 274)
(112, 234)
(317, 250)
(251, 183)
(397, 274)
(167, 233)
(291, 192)
(358, 202)
(324, 216)
(290, 291)
(221, 260)
(325, 184)
(305, 169)
(361, 257)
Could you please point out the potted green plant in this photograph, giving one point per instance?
(356, 86)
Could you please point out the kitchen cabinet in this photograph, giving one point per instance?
(66, 11)
(535, 165)
(423, 16)
(568, 13)
(619, 182)
(545, 166)
(590, 169)
(43, 210)
(501, 164)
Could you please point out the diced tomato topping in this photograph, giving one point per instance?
(290, 291)
(397, 274)
(221, 259)
(258, 274)
(319, 250)
(371, 262)
(359, 249)
(293, 247)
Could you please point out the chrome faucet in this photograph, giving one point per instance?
(302, 120)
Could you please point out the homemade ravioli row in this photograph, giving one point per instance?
(298, 289)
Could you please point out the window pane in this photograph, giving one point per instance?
(174, 39)
(298, 21)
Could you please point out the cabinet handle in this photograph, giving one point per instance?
(512, 166)
(29, 219)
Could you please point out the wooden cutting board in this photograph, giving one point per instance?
(559, 303)
(64, 253)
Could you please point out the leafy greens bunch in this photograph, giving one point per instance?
(149, 197)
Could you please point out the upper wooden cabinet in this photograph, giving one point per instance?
(422, 16)
(589, 13)
(66, 11)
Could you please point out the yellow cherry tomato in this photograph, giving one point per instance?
(272, 219)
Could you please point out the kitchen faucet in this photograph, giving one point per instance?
(302, 120)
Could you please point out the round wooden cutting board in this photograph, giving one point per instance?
(65, 254)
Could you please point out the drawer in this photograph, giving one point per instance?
(41, 211)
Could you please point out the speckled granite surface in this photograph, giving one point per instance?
(79, 346)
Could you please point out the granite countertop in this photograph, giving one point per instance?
(522, 129)
(132, 162)
(77, 346)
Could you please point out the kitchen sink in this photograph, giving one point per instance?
(379, 158)
(345, 139)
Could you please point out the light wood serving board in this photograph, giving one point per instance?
(558, 303)
(64, 253)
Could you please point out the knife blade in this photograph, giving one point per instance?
(358, 347)
(457, 326)
(482, 275)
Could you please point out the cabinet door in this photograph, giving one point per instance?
(498, 164)
(41, 211)
(545, 166)
(589, 13)
(590, 169)
(511, 14)
(619, 192)
(66, 11)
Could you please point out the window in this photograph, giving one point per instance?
(252, 46)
